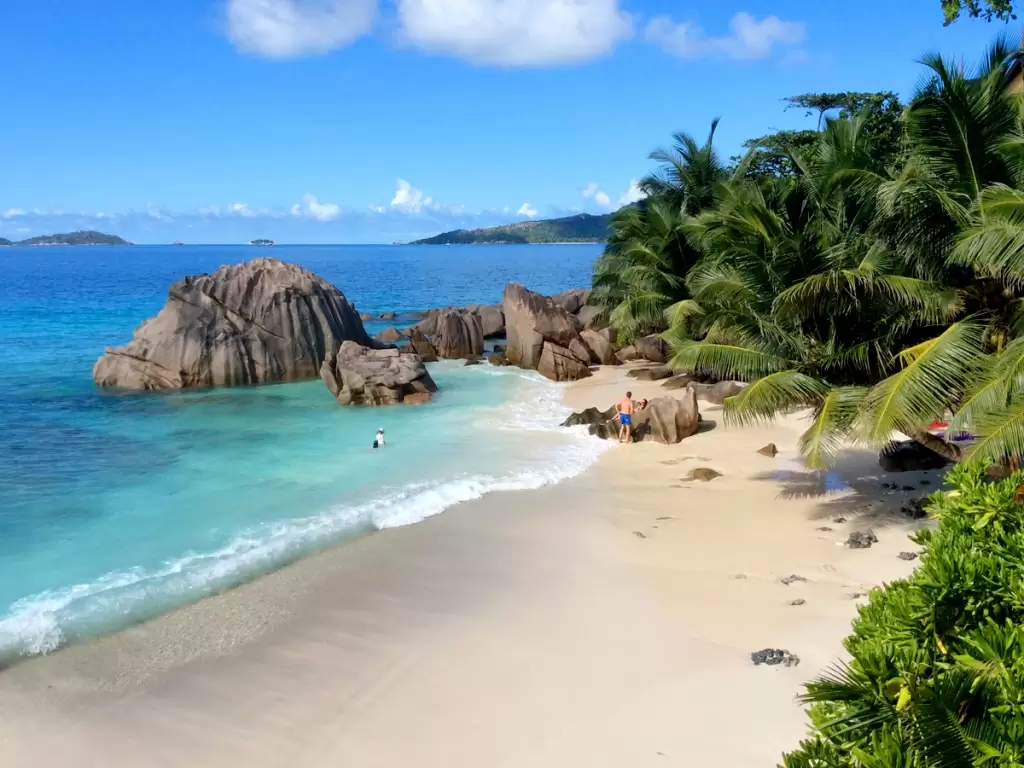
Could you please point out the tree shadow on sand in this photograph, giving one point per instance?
(856, 490)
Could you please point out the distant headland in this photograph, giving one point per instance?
(582, 228)
(88, 237)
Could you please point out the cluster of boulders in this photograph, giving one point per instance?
(664, 420)
(262, 322)
(266, 321)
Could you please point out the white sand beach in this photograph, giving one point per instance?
(605, 621)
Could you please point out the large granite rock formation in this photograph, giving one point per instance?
(422, 346)
(257, 322)
(543, 336)
(492, 319)
(601, 345)
(717, 393)
(665, 420)
(573, 300)
(358, 375)
(651, 348)
(459, 334)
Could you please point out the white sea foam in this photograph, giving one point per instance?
(42, 622)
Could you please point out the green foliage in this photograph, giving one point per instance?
(582, 228)
(1001, 10)
(936, 676)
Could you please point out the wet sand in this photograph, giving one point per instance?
(605, 621)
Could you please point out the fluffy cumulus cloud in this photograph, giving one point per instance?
(411, 200)
(748, 38)
(242, 209)
(314, 209)
(526, 210)
(515, 33)
(285, 29)
(592, 191)
(632, 195)
(10, 213)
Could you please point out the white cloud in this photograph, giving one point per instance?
(209, 210)
(748, 38)
(12, 212)
(22, 230)
(632, 195)
(315, 209)
(151, 209)
(242, 209)
(285, 29)
(515, 33)
(408, 198)
(599, 197)
(526, 210)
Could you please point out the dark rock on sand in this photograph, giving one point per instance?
(358, 375)
(651, 348)
(717, 392)
(773, 657)
(259, 322)
(704, 474)
(650, 374)
(667, 420)
(770, 450)
(589, 417)
(907, 555)
(909, 456)
(793, 579)
(798, 601)
(861, 539)
(915, 509)
(542, 336)
(679, 381)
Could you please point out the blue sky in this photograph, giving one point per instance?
(381, 120)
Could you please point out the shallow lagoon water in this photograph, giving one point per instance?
(115, 507)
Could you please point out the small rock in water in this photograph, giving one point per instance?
(908, 488)
(769, 450)
(793, 579)
(704, 474)
(798, 601)
(907, 555)
(471, 361)
(861, 539)
(773, 657)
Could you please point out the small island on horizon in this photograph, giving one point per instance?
(581, 228)
(261, 242)
(85, 237)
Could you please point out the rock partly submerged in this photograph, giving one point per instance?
(358, 375)
(259, 322)
(666, 420)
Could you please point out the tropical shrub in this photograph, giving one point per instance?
(936, 674)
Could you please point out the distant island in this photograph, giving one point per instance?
(261, 242)
(582, 228)
(71, 238)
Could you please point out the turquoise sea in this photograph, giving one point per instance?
(117, 507)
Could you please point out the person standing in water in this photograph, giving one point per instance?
(378, 441)
(625, 409)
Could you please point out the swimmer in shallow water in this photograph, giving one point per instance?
(378, 441)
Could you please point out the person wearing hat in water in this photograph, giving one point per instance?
(378, 441)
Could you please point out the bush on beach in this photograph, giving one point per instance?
(936, 676)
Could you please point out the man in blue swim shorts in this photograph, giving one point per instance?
(625, 409)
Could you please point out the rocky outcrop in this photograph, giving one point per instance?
(389, 335)
(668, 420)
(543, 336)
(572, 301)
(770, 450)
(422, 346)
(657, 373)
(459, 335)
(358, 375)
(601, 345)
(703, 474)
(492, 319)
(717, 393)
(651, 348)
(257, 322)
(587, 316)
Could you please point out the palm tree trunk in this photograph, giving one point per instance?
(947, 450)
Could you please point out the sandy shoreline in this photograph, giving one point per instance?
(605, 621)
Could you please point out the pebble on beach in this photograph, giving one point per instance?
(773, 657)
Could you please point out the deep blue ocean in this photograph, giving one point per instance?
(117, 507)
